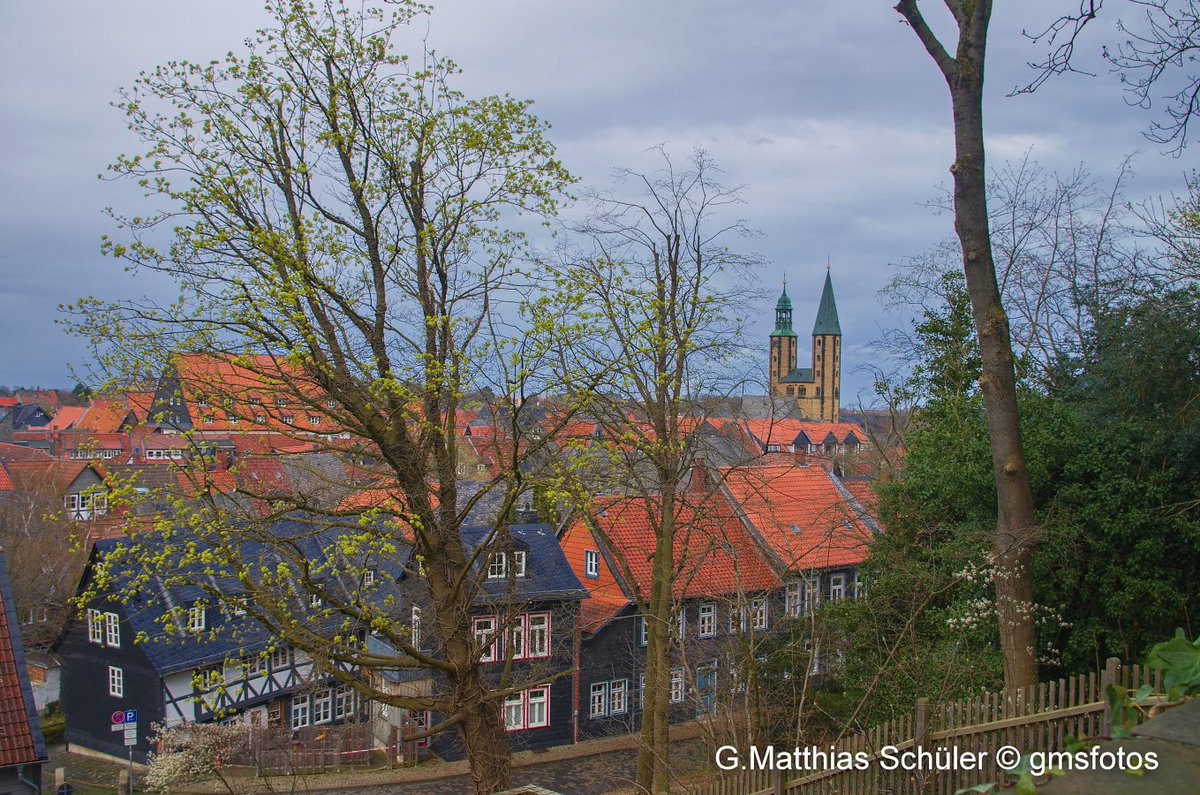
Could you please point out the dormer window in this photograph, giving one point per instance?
(591, 563)
(255, 401)
(196, 617)
(238, 608)
(281, 403)
(498, 564)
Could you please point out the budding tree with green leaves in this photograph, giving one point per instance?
(340, 222)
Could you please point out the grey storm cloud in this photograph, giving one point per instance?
(829, 113)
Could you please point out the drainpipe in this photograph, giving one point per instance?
(34, 787)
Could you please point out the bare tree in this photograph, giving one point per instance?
(657, 284)
(1016, 534)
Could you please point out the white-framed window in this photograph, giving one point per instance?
(516, 637)
(529, 709)
(643, 632)
(415, 627)
(519, 557)
(814, 657)
(314, 600)
(599, 700)
(758, 608)
(322, 706)
(281, 402)
(314, 420)
(514, 712)
(618, 697)
(486, 638)
(281, 658)
(301, 715)
(538, 642)
(497, 566)
(708, 620)
(738, 618)
(537, 710)
(344, 701)
(837, 587)
(256, 665)
(591, 563)
(368, 576)
(641, 690)
(95, 626)
(196, 618)
(676, 685)
(237, 608)
(116, 681)
(860, 586)
(330, 404)
(112, 630)
(681, 623)
(801, 597)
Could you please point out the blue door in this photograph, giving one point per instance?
(706, 690)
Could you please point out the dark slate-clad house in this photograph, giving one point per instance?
(177, 657)
(199, 659)
(22, 751)
(526, 613)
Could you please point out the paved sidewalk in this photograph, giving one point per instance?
(594, 767)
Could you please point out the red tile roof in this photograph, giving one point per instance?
(801, 514)
(7, 402)
(16, 452)
(20, 736)
(605, 597)
(714, 554)
(66, 417)
(6, 483)
(784, 432)
(103, 416)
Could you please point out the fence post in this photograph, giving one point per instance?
(777, 782)
(1109, 677)
(920, 730)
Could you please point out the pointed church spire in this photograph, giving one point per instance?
(827, 315)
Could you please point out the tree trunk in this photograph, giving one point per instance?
(484, 737)
(1015, 536)
(654, 747)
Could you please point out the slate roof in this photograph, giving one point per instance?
(548, 576)
(20, 733)
(807, 519)
(798, 375)
(225, 636)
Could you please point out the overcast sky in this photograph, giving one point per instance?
(829, 112)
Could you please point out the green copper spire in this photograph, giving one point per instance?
(827, 316)
(783, 315)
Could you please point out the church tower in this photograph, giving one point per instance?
(817, 389)
(827, 355)
(783, 343)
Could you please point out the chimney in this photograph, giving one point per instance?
(698, 483)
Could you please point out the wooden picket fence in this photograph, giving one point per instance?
(1037, 718)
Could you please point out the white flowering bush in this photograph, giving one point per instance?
(194, 752)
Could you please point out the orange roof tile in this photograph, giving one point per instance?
(16, 452)
(20, 737)
(6, 483)
(784, 432)
(801, 514)
(66, 417)
(103, 416)
(605, 597)
(714, 554)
